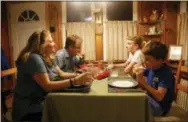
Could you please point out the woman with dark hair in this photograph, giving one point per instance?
(37, 75)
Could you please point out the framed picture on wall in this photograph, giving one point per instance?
(175, 52)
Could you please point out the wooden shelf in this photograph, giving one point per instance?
(153, 35)
(151, 23)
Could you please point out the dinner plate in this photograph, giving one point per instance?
(123, 83)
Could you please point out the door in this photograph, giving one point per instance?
(25, 18)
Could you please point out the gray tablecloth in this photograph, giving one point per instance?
(96, 106)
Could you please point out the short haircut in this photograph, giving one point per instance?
(156, 49)
(137, 40)
(71, 41)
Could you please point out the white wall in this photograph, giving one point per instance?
(183, 6)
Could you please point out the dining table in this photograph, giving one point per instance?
(101, 103)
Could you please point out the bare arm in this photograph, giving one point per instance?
(158, 94)
(129, 67)
(43, 80)
(122, 64)
(65, 74)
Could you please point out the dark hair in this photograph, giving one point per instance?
(71, 41)
(156, 49)
(137, 40)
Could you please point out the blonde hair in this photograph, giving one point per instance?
(137, 40)
(36, 44)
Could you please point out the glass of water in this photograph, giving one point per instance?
(110, 65)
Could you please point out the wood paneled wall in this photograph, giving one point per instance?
(169, 9)
(54, 20)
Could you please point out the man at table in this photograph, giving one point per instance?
(67, 58)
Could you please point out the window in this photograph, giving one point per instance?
(28, 15)
(78, 11)
(120, 10)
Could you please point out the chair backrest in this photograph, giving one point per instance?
(8, 72)
(182, 89)
(175, 54)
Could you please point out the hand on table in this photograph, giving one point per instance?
(83, 79)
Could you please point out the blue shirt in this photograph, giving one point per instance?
(66, 62)
(162, 77)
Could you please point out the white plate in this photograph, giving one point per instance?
(123, 83)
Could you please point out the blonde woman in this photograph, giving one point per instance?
(36, 73)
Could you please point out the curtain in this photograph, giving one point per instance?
(115, 34)
(85, 30)
(183, 34)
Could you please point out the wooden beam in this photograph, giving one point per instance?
(99, 46)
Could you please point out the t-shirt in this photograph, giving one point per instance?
(28, 95)
(138, 57)
(162, 77)
(52, 72)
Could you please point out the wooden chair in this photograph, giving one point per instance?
(8, 89)
(9, 72)
(175, 55)
(176, 113)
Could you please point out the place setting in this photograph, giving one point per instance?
(118, 83)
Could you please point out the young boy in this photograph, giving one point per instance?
(160, 81)
(134, 47)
